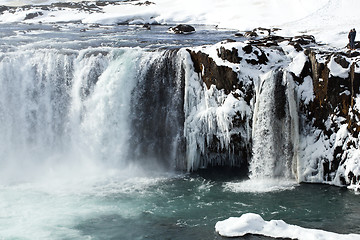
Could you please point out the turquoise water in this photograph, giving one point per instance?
(79, 200)
(163, 207)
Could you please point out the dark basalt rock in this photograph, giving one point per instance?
(182, 29)
(231, 56)
(239, 35)
(33, 15)
(261, 57)
(146, 3)
(3, 9)
(247, 49)
(304, 39)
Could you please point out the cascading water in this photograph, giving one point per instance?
(275, 128)
(157, 112)
(82, 111)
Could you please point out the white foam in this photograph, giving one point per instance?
(263, 185)
(251, 223)
(50, 210)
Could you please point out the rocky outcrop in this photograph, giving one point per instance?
(222, 77)
(182, 29)
(33, 15)
(333, 107)
(328, 117)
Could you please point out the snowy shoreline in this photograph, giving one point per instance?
(327, 20)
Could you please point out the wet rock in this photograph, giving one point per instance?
(239, 35)
(182, 29)
(3, 9)
(146, 3)
(147, 26)
(32, 15)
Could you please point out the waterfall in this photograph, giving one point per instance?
(82, 111)
(275, 128)
(157, 112)
(103, 108)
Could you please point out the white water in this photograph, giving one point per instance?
(66, 113)
(275, 128)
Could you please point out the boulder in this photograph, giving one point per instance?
(182, 29)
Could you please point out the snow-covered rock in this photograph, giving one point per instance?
(320, 133)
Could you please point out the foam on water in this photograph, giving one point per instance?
(51, 210)
(260, 185)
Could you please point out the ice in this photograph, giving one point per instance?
(251, 223)
(305, 90)
(208, 113)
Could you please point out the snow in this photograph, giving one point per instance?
(336, 70)
(208, 113)
(297, 65)
(251, 223)
(305, 90)
(328, 20)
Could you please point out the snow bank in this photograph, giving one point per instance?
(251, 223)
(328, 20)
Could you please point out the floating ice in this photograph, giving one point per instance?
(251, 223)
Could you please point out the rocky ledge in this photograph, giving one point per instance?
(326, 91)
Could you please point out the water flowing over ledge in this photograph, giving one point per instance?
(277, 107)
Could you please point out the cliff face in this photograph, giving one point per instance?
(325, 89)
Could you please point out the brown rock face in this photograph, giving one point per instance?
(334, 99)
(221, 76)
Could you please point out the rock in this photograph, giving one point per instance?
(222, 77)
(182, 29)
(3, 9)
(146, 3)
(250, 34)
(33, 15)
(333, 106)
(147, 26)
(231, 56)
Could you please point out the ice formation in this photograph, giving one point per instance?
(251, 223)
